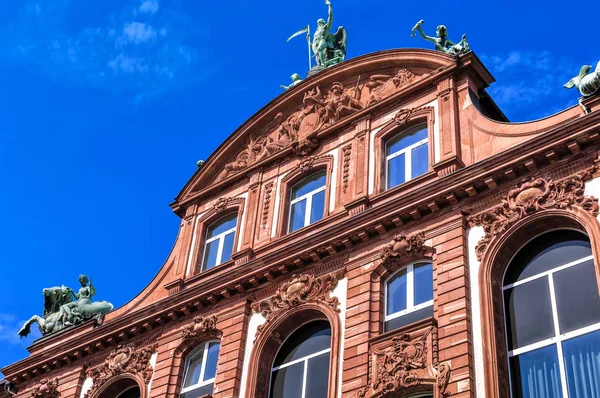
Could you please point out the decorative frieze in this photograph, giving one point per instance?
(530, 197)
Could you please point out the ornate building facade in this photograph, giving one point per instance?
(378, 230)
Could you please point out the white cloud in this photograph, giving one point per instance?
(138, 32)
(9, 329)
(149, 7)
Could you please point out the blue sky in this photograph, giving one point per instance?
(105, 107)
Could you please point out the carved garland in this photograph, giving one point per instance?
(123, 359)
(47, 388)
(532, 196)
(201, 327)
(402, 246)
(301, 289)
(267, 204)
(347, 150)
(221, 204)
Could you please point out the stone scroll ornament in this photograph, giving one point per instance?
(403, 246)
(46, 388)
(200, 328)
(588, 84)
(63, 307)
(301, 289)
(530, 197)
(122, 360)
(403, 364)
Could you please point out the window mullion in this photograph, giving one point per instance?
(410, 287)
(304, 377)
(220, 251)
(561, 362)
(203, 367)
(408, 165)
(308, 210)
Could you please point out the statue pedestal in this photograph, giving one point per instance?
(315, 69)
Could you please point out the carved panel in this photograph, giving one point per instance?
(301, 289)
(122, 360)
(403, 246)
(46, 388)
(347, 151)
(403, 361)
(200, 328)
(267, 204)
(532, 196)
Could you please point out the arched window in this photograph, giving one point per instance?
(301, 367)
(406, 156)
(200, 370)
(307, 201)
(552, 312)
(133, 392)
(409, 295)
(220, 238)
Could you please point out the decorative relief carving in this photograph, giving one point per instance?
(404, 115)
(445, 94)
(202, 327)
(306, 163)
(123, 359)
(402, 246)
(532, 196)
(347, 151)
(267, 204)
(46, 388)
(301, 289)
(319, 110)
(221, 204)
(403, 364)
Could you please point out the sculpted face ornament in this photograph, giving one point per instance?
(47, 388)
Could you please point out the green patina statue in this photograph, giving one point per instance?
(587, 84)
(442, 43)
(325, 44)
(63, 307)
(295, 81)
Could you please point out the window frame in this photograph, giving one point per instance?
(407, 152)
(221, 238)
(410, 307)
(557, 338)
(309, 199)
(205, 345)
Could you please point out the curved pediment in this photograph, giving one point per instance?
(292, 122)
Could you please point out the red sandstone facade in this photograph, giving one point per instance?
(467, 215)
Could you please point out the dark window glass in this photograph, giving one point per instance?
(396, 171)
(224, 224)
(131, 393)
(210, 254)
(582, 365)
(420, 161)
(528, 313)
(211, 361)
(287, 382)
(310, 338)
(406, 139)
(298, 215)
(396, 293)
(547, 252)
(577, 298)
(423, 276)
(227, 247)
(317, 377)
(194, 369)
(199, 392)
(317, 207)
(536, 374)
(309, 184)
(409, 318)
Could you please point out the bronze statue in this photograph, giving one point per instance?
(441, 41)
(295, 81)
(587, 83)
(325, 44)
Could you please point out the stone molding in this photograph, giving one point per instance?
(301, 289)
(46, 388)
(532, 196)
(122, 360)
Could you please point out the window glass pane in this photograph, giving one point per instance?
(582, 364)
(528, 313)
(317, 377)
(298, 211)
(423, 275)
(131, 393)
(536, 374)
(211, 361)
(227, 247)
(396, 293)
(406, 139)
(409, 318)
(210, 255)
(577, 298)
(317, 207)
(224, 224)
(287, 382)
(308, 339)
(419, 160)
(309, 184)
(547, 252)
(396, 169)
(194, 367)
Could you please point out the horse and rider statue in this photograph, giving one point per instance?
(63, 307)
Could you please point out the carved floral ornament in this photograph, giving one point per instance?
(320, 109)
(403, 246)
(403, 364)
(530, 197)
(122, 360)
(200, 328)
(46, 388)
(301, 289)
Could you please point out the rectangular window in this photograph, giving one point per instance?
(407, 156)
